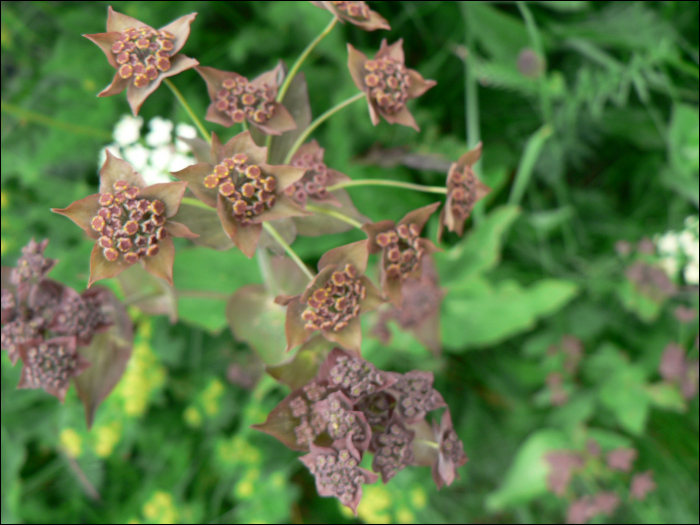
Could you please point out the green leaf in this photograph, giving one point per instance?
(646, 308)
(13, 454)
(667, 397)
(481, 250)
(205, 279)
(527, 477)
(490, 315)
(254, 318)
(625, 395)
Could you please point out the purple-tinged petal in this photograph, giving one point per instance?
(242, 143)
(393, 51)
(420, 216)
(194, 177)
(374, 229)
(101, 268)
(105, 41)
(169, 193)
(247, 239)
(418, 84)
(118, 85)
(355, 253)
(402, 116)
(471, 157)
(373, 298)
(115, 169)
(180, 29)
(350, 337)
(294, 325)
(82, 212)
(356, 65)
(161, 264)
(119, 22)
(280, 122)
(177, 229)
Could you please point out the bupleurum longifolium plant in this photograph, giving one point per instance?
(255, 192)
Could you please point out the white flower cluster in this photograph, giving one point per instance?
(679, 251)
(156, 154)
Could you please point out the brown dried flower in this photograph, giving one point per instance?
(388, 83)
(130, 222)
(357, 13)
(464, 190)
(142, 56)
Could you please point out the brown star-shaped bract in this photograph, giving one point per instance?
(450, 452)
(130, 222)
(463, 191)
(357, 13)
(334, 300)
(244, 189)
(338, 473)
(402, 249)
(420, 310)
(142, 56)
(234, 99)
(51, 365)
(388, 83)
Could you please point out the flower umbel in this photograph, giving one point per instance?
(142, 56)
(388, 83)
(244, 189)
(463, 192)
(357, 13)
(130, 222)
(51, 365)
(402, 249)
(333, 301)
(234, 99)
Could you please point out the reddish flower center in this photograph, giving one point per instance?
(394, 451)
(355, 10)
(131, 227)
(333, 306)
(388, 83)
(240, 100)
(313, 184)
(143, 53)
(461, 192)
(402, 250)
(50, 366)
(244, 185)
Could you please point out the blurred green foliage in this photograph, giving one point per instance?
(590, 138)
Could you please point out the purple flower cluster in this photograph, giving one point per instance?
(44, 322)
(351, 408)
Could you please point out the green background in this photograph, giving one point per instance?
(601, 146)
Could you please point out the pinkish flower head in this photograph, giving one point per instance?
(415, 395)
(393, 449)
(388, 83)
(312, 186)
(642, 484)
(32, 266)
(451, 454)
(51, 365)
(244, 189)
(235, 99)
(333, 301)
(338, 473)
(464, 190)
(621, 459)
(342, 422)
(673, 363)
(357, 13)
(142, 56)
(354, 376)
(402, 249)
(130, 222)
(561, 467)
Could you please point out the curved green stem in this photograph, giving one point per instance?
(395, 183)
(431, 444)
(195, 202)
(336, 214)
(271, 230)
(188, 109)
(292, 72)
(316, 123)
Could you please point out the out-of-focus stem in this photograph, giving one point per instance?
(272, 231)
(383, 182)
(336, 214)
(188, 109)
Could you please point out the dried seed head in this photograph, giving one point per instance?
(244, 186)
(143, 53)
(18, 332)
(394, 450)
(32, 265)
(416, 395)
(325, 306)
(50, 365)
(120, 238)
(313, 184)
(80, 317)
(387, 81)
(341, 420)
(461, 192)
(356, 377)
(239, 99)
(358, 11)
(403, 250)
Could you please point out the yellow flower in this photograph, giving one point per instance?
(375, 505)
(404, 515)
(106, 438)
(71, 442)
(419, 498)
(161, 508)
(192, 417)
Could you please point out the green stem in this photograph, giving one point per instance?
(292, 72)
(335, 214)
(195, 202)
(31, 116)
(271, 230)
(430, 444)
(395, 183)
(532, 151)
(188, 109)
(316, 123)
